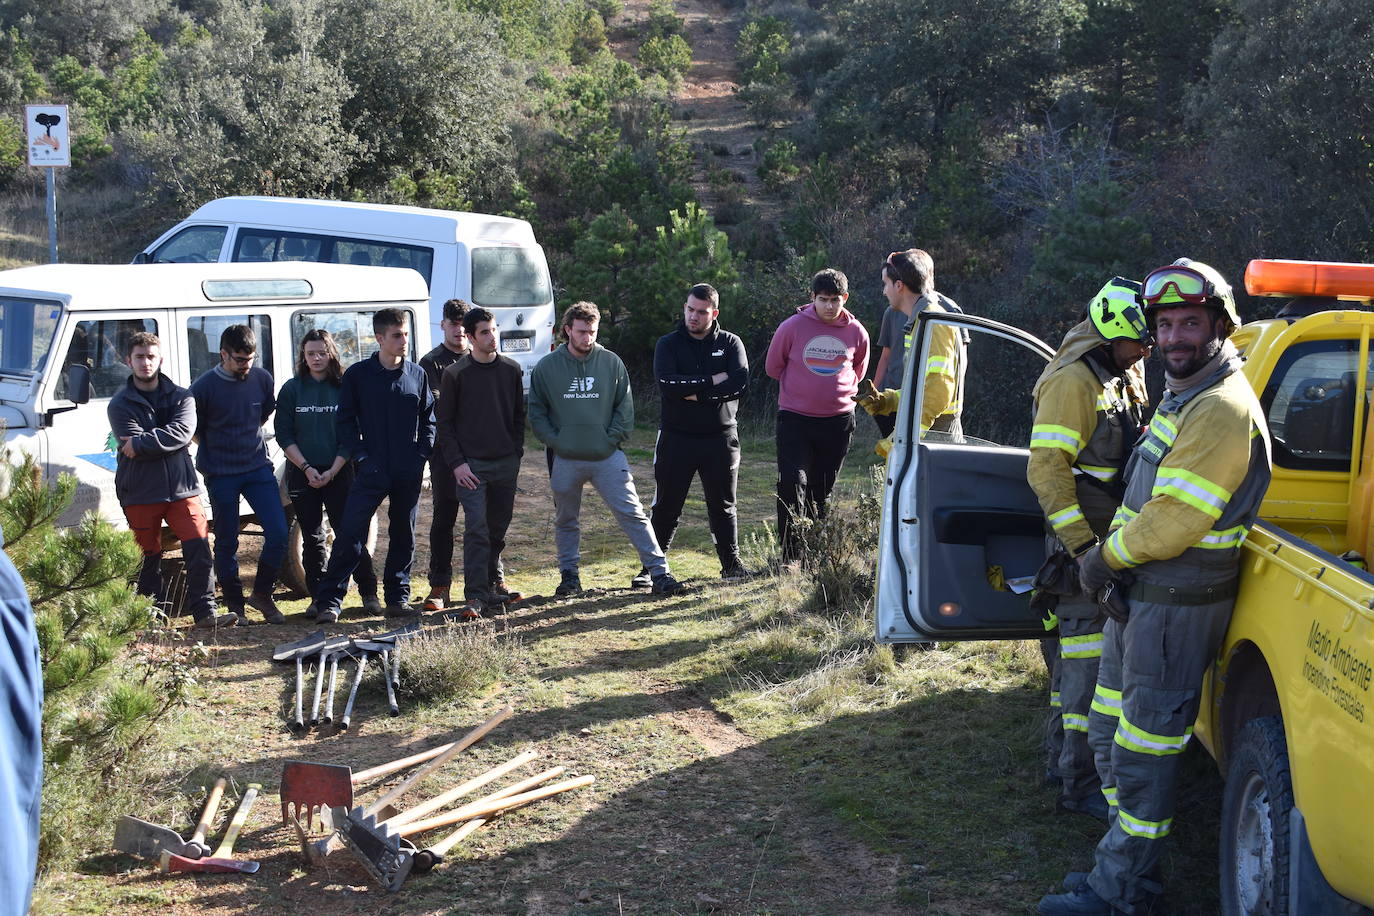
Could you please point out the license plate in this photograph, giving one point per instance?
(516, 345)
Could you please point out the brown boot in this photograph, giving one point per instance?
(264, 603)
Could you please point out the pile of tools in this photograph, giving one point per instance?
(165, 846)
(324, 651)
(377, 834)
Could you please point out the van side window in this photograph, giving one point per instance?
(508, 276)
(269, 245)
(351, 330)
(196, 244)
(202, 341)
(1310, 402)
(100, 346)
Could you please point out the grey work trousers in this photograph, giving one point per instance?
(1075, 678)
(487, 512)
(1148, 689)
(613, 479)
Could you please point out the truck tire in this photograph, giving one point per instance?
(1255, 812)
(292, 576)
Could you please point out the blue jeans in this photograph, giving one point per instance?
(259, 488)
(373, 484)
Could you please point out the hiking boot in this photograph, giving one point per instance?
(311, 611)
(214, 621)
(665, 585)
(437, 600)
(372, 604)
(642, 579)
(570, 585)
(264, 603)
(735, 572)
(1081, 901)
(471, 610)
(328, 615)
(500, 593)
(1093, 805)
(401, 609)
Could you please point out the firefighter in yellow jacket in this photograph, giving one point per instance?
(1193, 488)
(1089, 405)
(909, 276)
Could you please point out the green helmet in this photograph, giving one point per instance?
(1115, 312)
(1189, 282)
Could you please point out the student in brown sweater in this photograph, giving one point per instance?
(481, 439)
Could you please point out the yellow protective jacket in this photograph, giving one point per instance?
(944, 369)
(1086, 419)
(1194, 483)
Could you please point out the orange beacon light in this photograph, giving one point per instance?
(1268, 277)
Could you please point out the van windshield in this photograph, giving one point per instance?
(26, 332)
(508, 276)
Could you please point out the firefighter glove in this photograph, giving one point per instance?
(881, 403)
(883, 448)
(1093, 571)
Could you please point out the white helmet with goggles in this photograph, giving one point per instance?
(1189, 282)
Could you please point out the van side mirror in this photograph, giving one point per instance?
(141, 258)
(78, 383)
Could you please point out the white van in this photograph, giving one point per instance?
(491, 261)
(64, 328)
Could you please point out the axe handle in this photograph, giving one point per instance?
(231, 833)
(386, 769)
(299, 722)
(453, 750)
(353, 693)
(333, 676)
(207, 814)
(476, 782)
(494, 803)
(390, 687)
(319, 688)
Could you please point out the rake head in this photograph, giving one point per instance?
(307, 787)
(381, 850)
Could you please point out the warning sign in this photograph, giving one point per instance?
(49, 130)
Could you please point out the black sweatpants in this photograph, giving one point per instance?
(443, 490)
(811, 452)
(312, 504)
(677, 459)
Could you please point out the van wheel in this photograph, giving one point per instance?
(1254, 822)
(292, 576)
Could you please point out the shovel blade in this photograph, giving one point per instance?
(306, 645)
(146, 840)
(306, 787)
(209, 864)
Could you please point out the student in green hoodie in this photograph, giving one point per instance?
(582, 409)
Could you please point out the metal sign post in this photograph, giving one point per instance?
(49, 134)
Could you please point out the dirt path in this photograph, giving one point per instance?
(717, 123)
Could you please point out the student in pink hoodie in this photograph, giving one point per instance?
(818, 356)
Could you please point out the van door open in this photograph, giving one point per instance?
(962, 532)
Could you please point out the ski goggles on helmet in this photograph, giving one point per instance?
(1116, 314)
(1176, 285)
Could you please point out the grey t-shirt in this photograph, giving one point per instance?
(890, 334)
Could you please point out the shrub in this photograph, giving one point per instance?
(454, 662)
(670, 57)
(779, 164)
(663, 20)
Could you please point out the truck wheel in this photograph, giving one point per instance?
(292, 576)
(1254, 822)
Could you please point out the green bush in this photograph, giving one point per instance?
(763, 47)
(663, 20)
(453, 662)
(670, 57)
(779, 164)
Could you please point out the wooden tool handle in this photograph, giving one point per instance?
(457, 747)
(512, 789)
(207, 814)
(231, 833)
(442, 847)
(386, 769)
(481, 808)
(476, 782)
